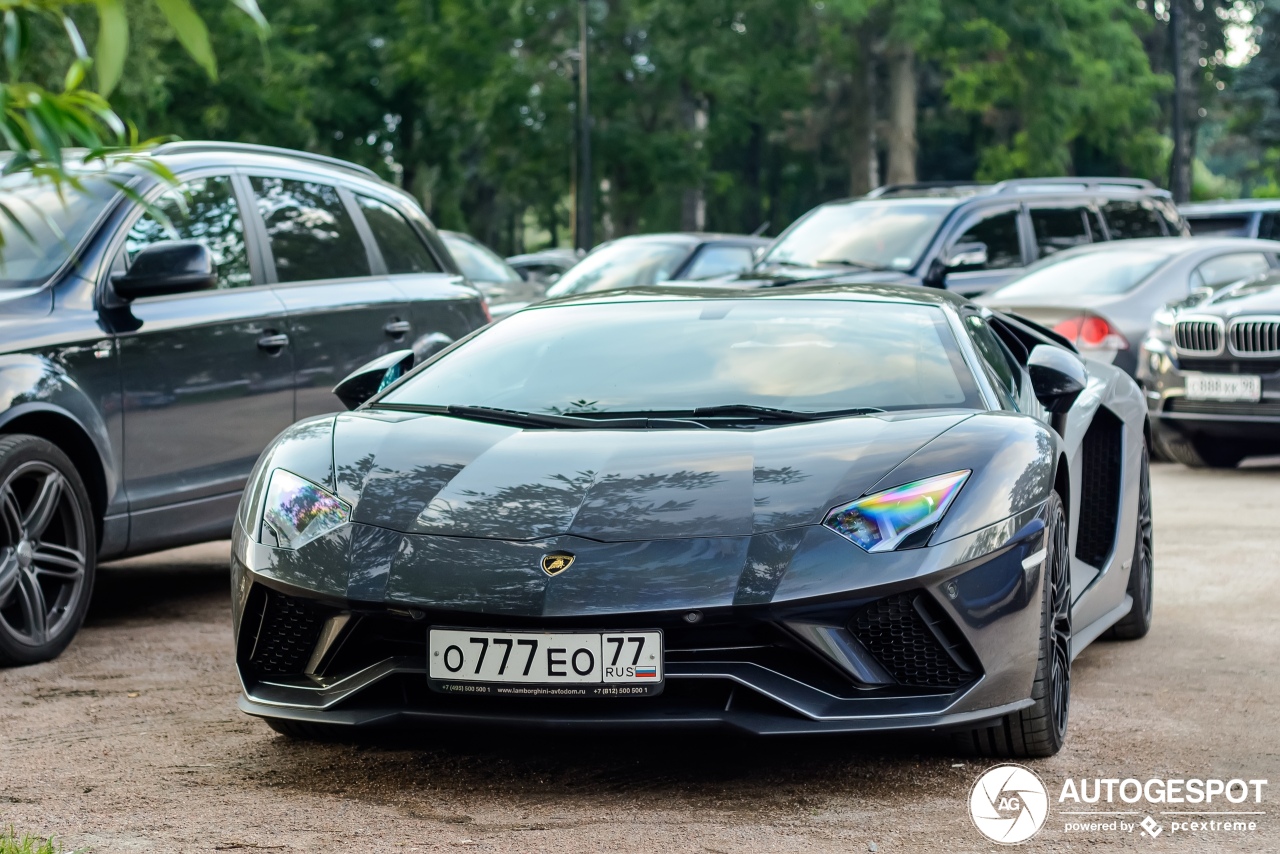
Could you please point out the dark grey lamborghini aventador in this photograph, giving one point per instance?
(829, 509)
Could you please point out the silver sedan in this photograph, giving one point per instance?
(1102, 296)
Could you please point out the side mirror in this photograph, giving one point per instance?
(169, 267)
(1057, 377)
(967, 255)
(371, 378)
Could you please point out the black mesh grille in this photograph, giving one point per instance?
(1222, 407)
(1099, 488)
(287, 634)
(1264, 367)
(913, 641)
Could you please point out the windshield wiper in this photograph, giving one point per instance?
(849, 262)
(745, 410)
(516, 418)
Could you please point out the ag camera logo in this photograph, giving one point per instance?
(1009, 804)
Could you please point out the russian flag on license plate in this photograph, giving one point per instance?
(646, 672)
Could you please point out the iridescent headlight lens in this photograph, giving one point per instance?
(880, 522)
(298, 511)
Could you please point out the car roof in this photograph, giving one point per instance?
(692, 237)
(853, 292)
(1228, 206)
(1172, 246)
(195, 154)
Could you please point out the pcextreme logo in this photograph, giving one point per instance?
(1009, 804)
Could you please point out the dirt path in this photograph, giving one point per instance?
(132, 742)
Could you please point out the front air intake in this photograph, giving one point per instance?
(280, 632)
(914, 641)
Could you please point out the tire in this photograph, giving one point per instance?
(1040, 729)
(307, 731)
(1137, 622)
(48, 550)
(1198, 453)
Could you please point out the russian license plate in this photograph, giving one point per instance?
(545, 664)
(1224, 387)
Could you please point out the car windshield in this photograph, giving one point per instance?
(889, 235)
(625, 264)
(803, 355)
(479, 263)
(52, 226)
(1112, 271)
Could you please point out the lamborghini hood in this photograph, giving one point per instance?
(444, 476)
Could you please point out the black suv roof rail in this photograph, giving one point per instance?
(201, 146)
(924, 187)
(1015, 185)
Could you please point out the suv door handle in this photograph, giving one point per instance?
(273, 341)
(397, 328)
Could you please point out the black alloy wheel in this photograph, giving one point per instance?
(47, 550)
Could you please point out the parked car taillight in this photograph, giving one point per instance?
(1091, 332)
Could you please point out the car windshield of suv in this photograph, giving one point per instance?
(479, 263)
(625, 264)
(668, 357)
(54, 226)
(879, 235)
(1111, 271)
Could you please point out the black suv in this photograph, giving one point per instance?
(148, 353)
(968, 238)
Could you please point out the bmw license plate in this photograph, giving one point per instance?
(545, 664)
(1224, 387)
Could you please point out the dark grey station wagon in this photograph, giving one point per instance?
(148, 353)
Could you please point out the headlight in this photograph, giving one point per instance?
(881, 522)
(298, 511)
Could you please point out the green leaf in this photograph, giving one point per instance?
(113, 43)
(13, 26)
(250, 8)
(75, 75)
(191, 33)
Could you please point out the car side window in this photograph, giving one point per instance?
(402, 248)
(1269, 226)
(205, 210)
(1225, 269)
(1095, 226)
(312, 235)
(1169, 213)
(1058, 228)
(1132, 219)
(1000, 234)
(998, 358)
(721, 260)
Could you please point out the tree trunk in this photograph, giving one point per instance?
(693, 201)
(863, 169)
(901, 132)
(1183, 57)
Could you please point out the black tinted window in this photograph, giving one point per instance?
(998, 359)
(1269, 227)
(1132, 219)
(211, 216)
(312, 235)
(1058, 228)
(402, 249)
(1000, 234)
(1229, 225)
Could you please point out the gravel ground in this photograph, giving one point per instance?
(132, 742)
